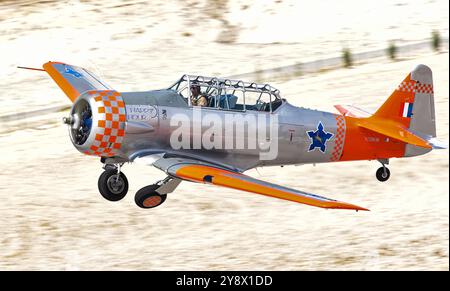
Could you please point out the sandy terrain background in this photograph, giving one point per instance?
(52, 216)
(140, 45)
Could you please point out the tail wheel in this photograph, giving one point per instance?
(383, 174)
(147, 197)
(113, 186)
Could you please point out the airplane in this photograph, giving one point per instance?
(167, 129)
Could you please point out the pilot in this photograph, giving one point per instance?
(197, 98)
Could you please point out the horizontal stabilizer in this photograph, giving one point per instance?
(394, 130)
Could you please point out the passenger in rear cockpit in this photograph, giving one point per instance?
(197, 98)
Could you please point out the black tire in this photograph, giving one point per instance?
(383, 176)
(111, 188)
(147, 197)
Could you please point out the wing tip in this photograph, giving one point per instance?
(348, 206)
(49, 63)
(362, 209)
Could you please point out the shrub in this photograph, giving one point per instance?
(436, 40)
(392, 51)
(347, 58)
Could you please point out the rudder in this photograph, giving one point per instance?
(423, 120)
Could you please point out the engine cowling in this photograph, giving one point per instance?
(97, 123)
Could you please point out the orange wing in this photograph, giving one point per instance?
(210, 174)
(73, 80)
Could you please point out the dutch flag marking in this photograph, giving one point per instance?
(407, 109)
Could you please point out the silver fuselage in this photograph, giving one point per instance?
(148, 131)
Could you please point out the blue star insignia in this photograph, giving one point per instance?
(69, 70)
(319, 138)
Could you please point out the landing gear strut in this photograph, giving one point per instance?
(112, 183)
(383, 173)
(155, 195)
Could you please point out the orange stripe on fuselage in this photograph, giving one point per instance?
(67, 88)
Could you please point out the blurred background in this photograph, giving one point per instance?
(318, 53)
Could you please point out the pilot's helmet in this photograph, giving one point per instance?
(195, 88)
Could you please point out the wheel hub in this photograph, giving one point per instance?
(152, 201)
(115, 184)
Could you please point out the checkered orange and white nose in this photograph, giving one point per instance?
(110, 127)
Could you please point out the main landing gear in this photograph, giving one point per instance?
(155, 195)
(113, 186)
(147, 197)
(383, 173)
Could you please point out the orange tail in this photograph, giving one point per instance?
(412, 103)
(408, 114)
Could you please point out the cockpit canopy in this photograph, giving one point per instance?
(226, 94)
